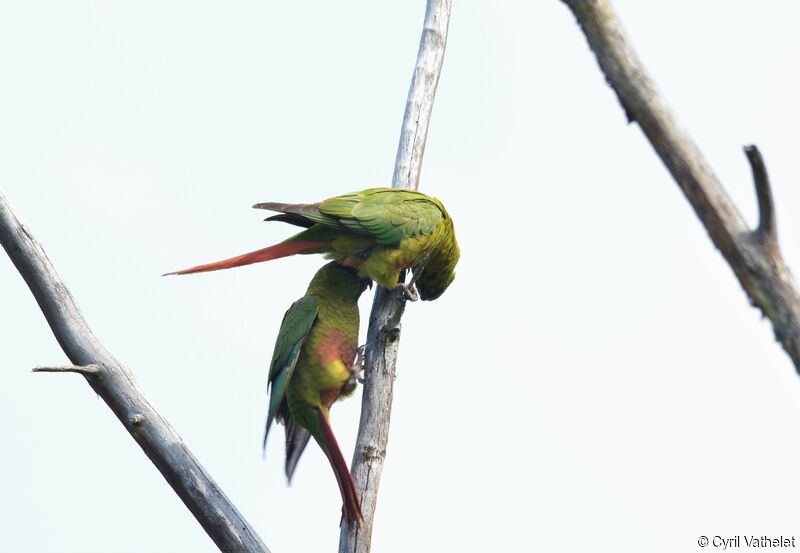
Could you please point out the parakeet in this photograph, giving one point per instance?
(380, 232)
(312, 366)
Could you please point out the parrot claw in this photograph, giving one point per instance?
(361, 352)
(358, 364)
(410, 292)
(357, 370)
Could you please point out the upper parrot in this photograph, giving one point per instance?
(378, 231)
(312, 367)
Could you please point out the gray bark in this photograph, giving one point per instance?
(753, 254)
(383, 335)
(115, 384)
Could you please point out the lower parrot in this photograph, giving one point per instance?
(312, 367)
(380, 232)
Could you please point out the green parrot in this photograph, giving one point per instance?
(380, 232)
(312, 367)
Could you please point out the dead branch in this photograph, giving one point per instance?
(383, 336)
(753, 255)
(114, 383)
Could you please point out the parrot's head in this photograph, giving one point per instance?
(440, 269)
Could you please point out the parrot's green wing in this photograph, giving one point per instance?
(296, 324)
(386, 214)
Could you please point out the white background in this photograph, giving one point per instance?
(594, 380)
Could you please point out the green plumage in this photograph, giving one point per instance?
(312, 367)
(380, 232)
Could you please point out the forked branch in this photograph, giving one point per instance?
(753, 255)
(384, 322)
(114, 383)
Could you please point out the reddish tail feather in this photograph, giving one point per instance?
(284, 249)
(352, 507)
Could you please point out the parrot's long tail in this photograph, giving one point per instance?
(284, 249)
(352, 507)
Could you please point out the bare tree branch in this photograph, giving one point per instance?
(383, 336)
(754, 256)
(115, 384)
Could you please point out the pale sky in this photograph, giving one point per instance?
(594, 380)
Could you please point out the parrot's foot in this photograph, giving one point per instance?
(409, 291)
(357, 370)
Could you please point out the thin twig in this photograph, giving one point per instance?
(383, 335)
(116, 386)
(86, 370)
(753, 255)
(767, 228)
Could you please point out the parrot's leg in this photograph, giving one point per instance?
(409, 291)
